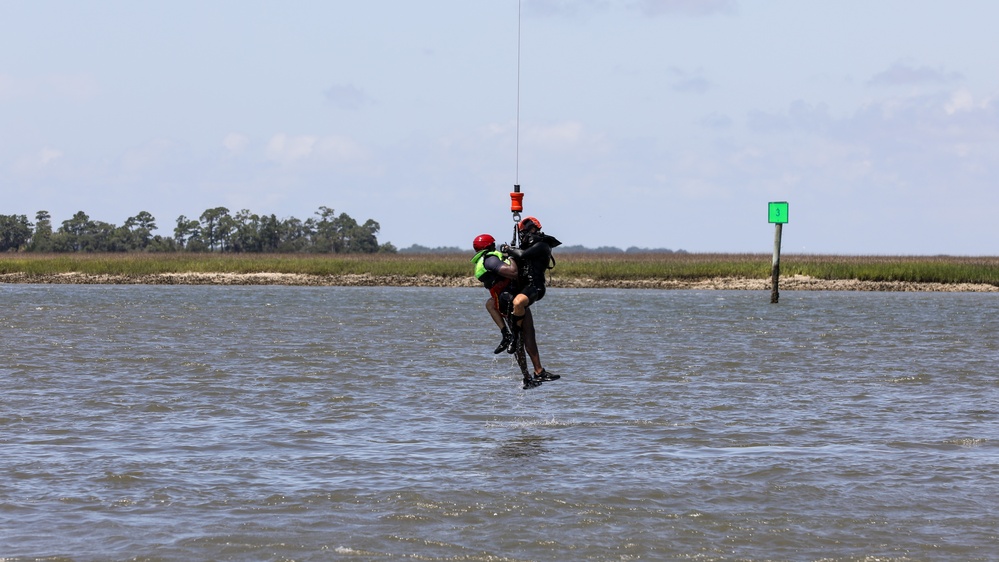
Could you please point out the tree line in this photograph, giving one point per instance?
(216, 230)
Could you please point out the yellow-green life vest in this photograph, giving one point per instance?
(480, 262)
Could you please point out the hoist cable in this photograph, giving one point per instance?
(516, 197)
(517, 171)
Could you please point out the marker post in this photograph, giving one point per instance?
(778, 216)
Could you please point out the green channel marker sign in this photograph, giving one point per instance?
(778, 212)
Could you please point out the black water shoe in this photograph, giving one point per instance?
(544, 375)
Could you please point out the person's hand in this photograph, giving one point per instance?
(504, 248)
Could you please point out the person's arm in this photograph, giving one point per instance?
(538, 249)
(496, 265)
(508, 270)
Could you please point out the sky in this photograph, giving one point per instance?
(627, 123)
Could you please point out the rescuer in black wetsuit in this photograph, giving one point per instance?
(533, 258)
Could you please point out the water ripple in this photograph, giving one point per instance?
(367, 423)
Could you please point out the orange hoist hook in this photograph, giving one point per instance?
(516, 202)
(516, 206)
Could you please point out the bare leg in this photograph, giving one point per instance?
(498, 319)
(529, 381)
(520, 304)
(494, 314)
(531, 342)
(525, 330)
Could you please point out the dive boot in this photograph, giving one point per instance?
(517, 331)
(507, 340)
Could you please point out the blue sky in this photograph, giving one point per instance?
(649, 123)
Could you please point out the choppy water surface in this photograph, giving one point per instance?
(285, 423)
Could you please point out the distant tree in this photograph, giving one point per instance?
(15, 231)
(270, 234)
(74, 234)
(215, 230)
(81, 234)
(120, 239)
(418, 249)
(325, 231)
(105, 237)
(41, 241)
(186, 231)
(341, 234)
(584, 250)
(296, 236)
(215, 227)
(196, 244)
(140, 229)
(245, 235)
(161, 244)
(363, 238)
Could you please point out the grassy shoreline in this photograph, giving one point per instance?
(600, 268)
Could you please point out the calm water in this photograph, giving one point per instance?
(285, 423)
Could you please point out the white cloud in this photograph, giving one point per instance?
(904, 74)
(567, 135)
(153, 155)
(961, 100)
(289, 149)
(47, 155)
(37, 161)
(235, 142)
(562, 8)
(74, 86)
(67, 86)
(686, 7)
(339, 148)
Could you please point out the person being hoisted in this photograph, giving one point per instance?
(496, 273)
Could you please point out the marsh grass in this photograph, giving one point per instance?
(312, 264)
(605, 267)
(915, 269)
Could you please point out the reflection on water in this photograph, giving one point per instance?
(291, 423)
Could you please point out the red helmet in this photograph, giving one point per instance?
(522, 225)
(482, 242)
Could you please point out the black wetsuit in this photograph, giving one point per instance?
(533, 260)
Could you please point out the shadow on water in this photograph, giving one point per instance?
(523, 446)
